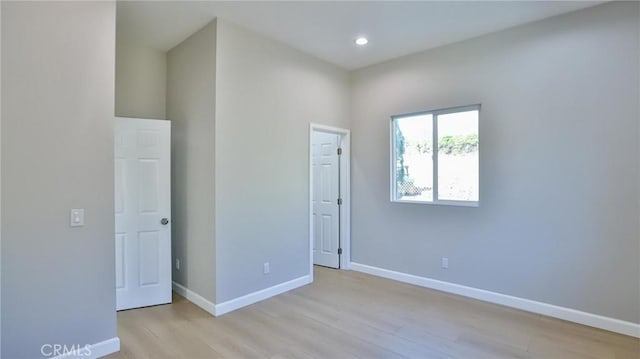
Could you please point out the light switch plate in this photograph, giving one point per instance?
(76, 217)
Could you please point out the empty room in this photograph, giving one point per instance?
(320, 179)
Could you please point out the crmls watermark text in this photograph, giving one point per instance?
(75, 350)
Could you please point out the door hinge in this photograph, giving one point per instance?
(339, 251)
(339, 151)
(339, 201)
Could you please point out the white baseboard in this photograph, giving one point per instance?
(195, 298)
(237, 303)
(572, 315)
(233, 304)
(93, 351)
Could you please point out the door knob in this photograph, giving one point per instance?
(164, 221)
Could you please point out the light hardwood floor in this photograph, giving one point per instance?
(345, 314)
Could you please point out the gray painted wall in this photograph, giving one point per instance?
(191, 78)
(141, 80)
(266, 95)
(0, 181)
(558, 219)
(57, 154)
(259, 211)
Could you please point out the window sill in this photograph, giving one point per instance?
(441, 203)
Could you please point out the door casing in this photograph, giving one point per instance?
(345, 193)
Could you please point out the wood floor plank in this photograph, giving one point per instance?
(346, 314)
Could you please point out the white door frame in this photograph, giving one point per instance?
(345, 189)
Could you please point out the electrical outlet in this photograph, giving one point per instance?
(177, 263)
(445, 262)
(265, 268)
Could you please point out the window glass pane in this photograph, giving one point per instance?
(414, 161)
(458, 161)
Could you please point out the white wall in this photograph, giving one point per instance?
(191, 108)
(559, 134)
(57, 154)
(141, 80)
(266, 95)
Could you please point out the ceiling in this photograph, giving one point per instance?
(327, 29)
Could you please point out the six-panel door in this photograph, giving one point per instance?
(326, 190)
(142, 207)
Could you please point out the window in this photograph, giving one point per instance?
(435, 157)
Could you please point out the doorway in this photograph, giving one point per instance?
(142, 212)
(329, 197)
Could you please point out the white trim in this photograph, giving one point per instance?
(324, 128)
(237, 303)
(94, 351)
(195, 298)
(441, 203)
(345, 187)
(572, 315)
(233, 304)
(165, 123)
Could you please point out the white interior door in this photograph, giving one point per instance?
(142, 212)
(325, 195)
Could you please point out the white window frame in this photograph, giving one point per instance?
(392, 167)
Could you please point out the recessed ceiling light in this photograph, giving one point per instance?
(361, 41)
